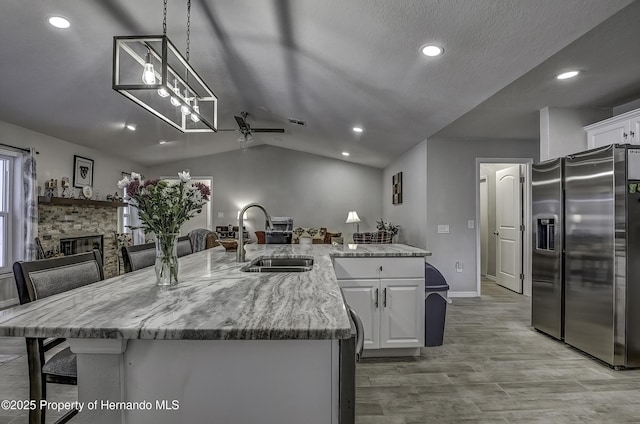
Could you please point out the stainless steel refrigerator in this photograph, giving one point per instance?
(602, 253)
(586, 220)
(547, 273)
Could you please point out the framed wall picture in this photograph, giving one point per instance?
(396, 185)
(82, 171)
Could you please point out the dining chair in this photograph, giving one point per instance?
(37, 280)
(138, 257)
(199, 238)
(184, 246)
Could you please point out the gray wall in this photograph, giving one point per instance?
(561, 130)
(411, 215)
(451, 199)
(316, 191)
(56, 159)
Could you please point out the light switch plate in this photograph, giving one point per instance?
(220, 215)
(471, 223)
(443, 229)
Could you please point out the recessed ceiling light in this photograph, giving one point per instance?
(567, 75)
(162, 142)
(59, 22)
(130, 127)
(431, 50)
(345, 153)
(357, 129)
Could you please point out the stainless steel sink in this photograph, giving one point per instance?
(280, 264)
(285, 262)
(276, 268)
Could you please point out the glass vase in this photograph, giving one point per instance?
(166, 259)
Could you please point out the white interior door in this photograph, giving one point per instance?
(508, 226)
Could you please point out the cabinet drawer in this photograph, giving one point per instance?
(398, 267)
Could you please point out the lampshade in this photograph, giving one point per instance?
(353, 218)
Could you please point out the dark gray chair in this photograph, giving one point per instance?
(138, 257)
(37, 280)
(184, 246)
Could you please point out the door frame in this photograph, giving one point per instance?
(526, 220)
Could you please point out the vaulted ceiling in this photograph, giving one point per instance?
(333, 64)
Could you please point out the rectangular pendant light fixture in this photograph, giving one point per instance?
(150, 71)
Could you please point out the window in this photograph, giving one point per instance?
(7, 211)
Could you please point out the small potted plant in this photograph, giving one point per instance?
(388, 227)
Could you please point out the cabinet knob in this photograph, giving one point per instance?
(380, 268)
(632, 134)
(625, 135)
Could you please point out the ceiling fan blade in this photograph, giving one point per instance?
(241, 122)
(268, 130)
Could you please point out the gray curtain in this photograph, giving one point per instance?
(30, 207)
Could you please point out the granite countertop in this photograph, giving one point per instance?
(214, 300)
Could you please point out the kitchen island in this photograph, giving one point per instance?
(221, 346)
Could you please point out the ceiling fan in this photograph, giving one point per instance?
(246, 132)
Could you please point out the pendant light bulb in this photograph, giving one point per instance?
(196, 110)
(148, 74)
(176, 90)
(186, 110)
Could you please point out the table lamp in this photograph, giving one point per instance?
(353, 218)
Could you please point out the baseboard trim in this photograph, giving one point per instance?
(491, 277)
(463, 294)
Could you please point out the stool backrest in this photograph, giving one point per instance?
(138, 257)
(46, 277)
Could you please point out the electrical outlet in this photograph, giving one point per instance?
(471, 223)
(443, 229)
(220, 215)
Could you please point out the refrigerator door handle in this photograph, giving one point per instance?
(359, 332)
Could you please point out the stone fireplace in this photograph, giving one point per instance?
(68, 225)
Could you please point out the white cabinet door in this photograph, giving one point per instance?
(611, 133)
(402, 313)
(634, 129)
(363, 296)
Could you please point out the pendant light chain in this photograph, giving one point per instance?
(188, 26)
(164, 19)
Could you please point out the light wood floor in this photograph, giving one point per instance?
(492, 368)
(495, 368)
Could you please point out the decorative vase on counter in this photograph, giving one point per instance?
(166, 259)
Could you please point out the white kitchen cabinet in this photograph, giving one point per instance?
(621, 129)
(402, 313)
(363, 296)
(388, 295)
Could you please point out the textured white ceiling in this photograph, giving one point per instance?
(331, 63)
